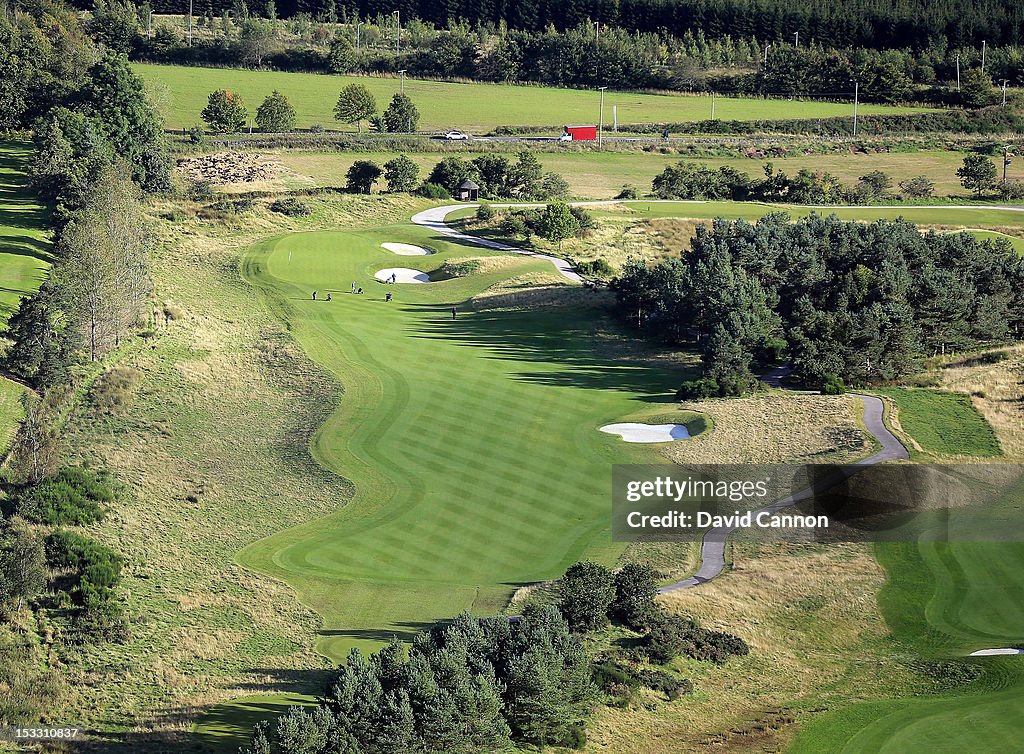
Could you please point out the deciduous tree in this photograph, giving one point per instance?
(225, 112)
(355, 104)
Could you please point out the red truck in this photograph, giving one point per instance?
(579, 133)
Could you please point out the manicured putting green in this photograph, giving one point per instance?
(472, 442)
(943, 422)
(472, 106)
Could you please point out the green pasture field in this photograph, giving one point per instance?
(601, 175)
(475, 107)
(942, 422)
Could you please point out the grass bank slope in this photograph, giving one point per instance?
(24, 260)
(473, 106)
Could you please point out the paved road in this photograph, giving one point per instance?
(712, 550)
(433, 218)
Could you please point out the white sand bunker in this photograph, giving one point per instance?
(406, 249)
(401, 275)
(1002, 651)
(633, 432)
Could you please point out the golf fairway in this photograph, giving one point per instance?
(472, 443)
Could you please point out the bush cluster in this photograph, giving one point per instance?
(290, 206)
(72, 496)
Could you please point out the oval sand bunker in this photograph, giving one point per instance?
(406, 249)
(402, 275)
(993, 652)
(635, 432)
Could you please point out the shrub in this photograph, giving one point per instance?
(200, 190)
(554, 186)
(833, 385)
(66, 549)
(401, 174)
(576, 738)
(113, 388)
(596, 268)
(666, 639)
(457, 269)
(918, 187)
(514, 225)
(197, 136)
(362, 176)
(666, 683)
(587, 590)
(72, 496)
(628, 192)
(1011, 191)
(434, 191)
(583, 218)
(635, 590)
(672, 635)
(485, 213)
(290, 206)
(695, 390)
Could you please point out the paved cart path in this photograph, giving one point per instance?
(712, 550)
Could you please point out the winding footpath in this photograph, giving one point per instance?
(712, 550)
(713, 544)
(433, 219)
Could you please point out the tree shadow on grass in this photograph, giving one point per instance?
(578, 348)
(25, 246)
(404, 631)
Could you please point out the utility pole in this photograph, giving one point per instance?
(401, 86)
(189, 23)
(1006, 160)
(1005, 82)
(797, 35)
(358, 24)
(398, 30)
(766, 55)
(597, 32)
(615, 117)
(712, 105)
(958, 71)
(856, 102)
(984, 47)
(600, 121)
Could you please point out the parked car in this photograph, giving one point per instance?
(456, 136)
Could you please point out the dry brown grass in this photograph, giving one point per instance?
(215, 428)
(810, 617)
(775, 427)
(997, 391)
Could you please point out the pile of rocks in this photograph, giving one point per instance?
(228, 167)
